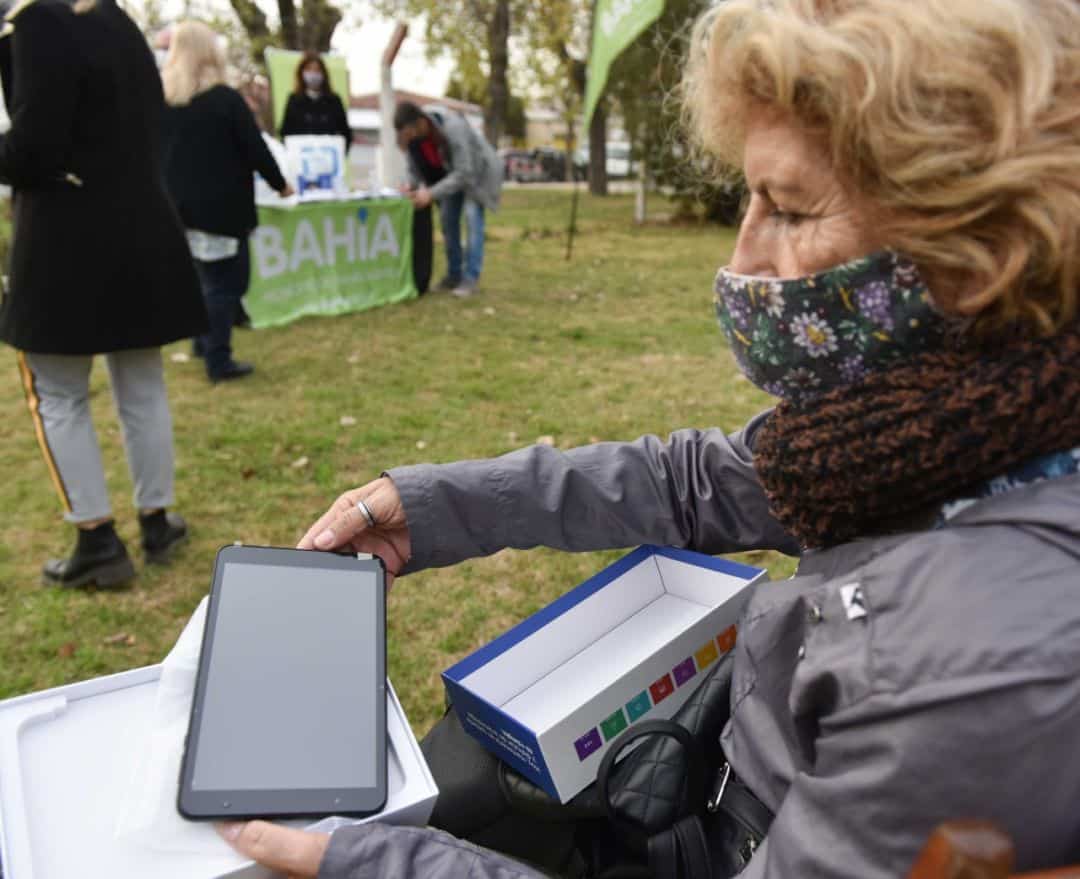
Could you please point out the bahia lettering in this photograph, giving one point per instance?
(343, 238)
(613, 16)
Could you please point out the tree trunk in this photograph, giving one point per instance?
(498, 87)
(571, 150)
(290, 28)
(320, 21)
(598, 151)
(251, 18)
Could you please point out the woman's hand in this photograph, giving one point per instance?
(344, 526)
(288, 191)
(296, 853)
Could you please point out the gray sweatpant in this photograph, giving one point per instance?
(58, 392)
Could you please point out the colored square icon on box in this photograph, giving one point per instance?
(661, 689)
(684, 671)
(638, 706)
(588, 744)
(613, 725)
(726, 639)
(706, 656)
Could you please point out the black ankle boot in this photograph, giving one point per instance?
(100, 559)
(161, 532)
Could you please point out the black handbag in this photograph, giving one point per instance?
(670, 809)
(675, 798)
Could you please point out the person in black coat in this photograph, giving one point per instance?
(99, 265)
(212, 150)
(313, 108)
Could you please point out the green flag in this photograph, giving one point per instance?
(281, 65)
(616, 24)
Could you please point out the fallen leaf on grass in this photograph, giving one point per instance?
(66, 651)
(347, 421)
(421, 444)
(489, 311)
(354, 358)
(247, 473)
(179, 357)
(300, 463)
(120, 639)
(545, 440)
(512, 436)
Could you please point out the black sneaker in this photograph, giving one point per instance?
(232, 370)
(100, 559)
(448, 283)
(162, 532)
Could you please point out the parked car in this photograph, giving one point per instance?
(618, 162)
(553, 162)
(521, 166)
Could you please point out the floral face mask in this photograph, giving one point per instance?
(800, 338)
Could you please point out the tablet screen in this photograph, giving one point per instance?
(292, 679)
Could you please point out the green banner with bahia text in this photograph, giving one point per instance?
(329, 258)
(616, 24)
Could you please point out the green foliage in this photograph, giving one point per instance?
(475, 34)
(515, 113)
(620, 342)
(556, 39)
(645, 81)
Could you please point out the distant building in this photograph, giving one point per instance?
(545, 128)
(366, 121)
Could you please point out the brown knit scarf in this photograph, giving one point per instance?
(909, 437)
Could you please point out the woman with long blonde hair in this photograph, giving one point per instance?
(213, 148)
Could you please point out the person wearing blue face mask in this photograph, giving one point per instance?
(314, 107)
(906, 282)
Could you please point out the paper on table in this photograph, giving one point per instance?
(148, 814)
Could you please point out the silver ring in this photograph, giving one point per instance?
(366, 513)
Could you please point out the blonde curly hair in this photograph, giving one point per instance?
(958, 119)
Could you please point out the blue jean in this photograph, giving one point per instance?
(224, 283)
(450, 211)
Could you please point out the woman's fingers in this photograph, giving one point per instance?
(284, 849)
(326, 521)
(344, 522)
(384, 502)
(346, 525)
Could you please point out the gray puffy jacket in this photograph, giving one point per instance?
(473, 166)
(957, 694)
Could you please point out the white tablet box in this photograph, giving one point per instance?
(67, 753)
(550, 695)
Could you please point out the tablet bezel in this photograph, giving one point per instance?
(273, 803)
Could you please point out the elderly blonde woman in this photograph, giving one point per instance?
(905, 279)
(213, 148)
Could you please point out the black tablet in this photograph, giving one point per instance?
(289, 713)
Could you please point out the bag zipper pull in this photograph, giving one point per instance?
(714, 801)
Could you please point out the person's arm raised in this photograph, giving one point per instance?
(697, 490)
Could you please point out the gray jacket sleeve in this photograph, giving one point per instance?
(377, 851)
(698, 490)
(463, 158)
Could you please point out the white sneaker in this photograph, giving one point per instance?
(464, 290)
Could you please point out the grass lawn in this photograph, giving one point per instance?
(619, 342)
